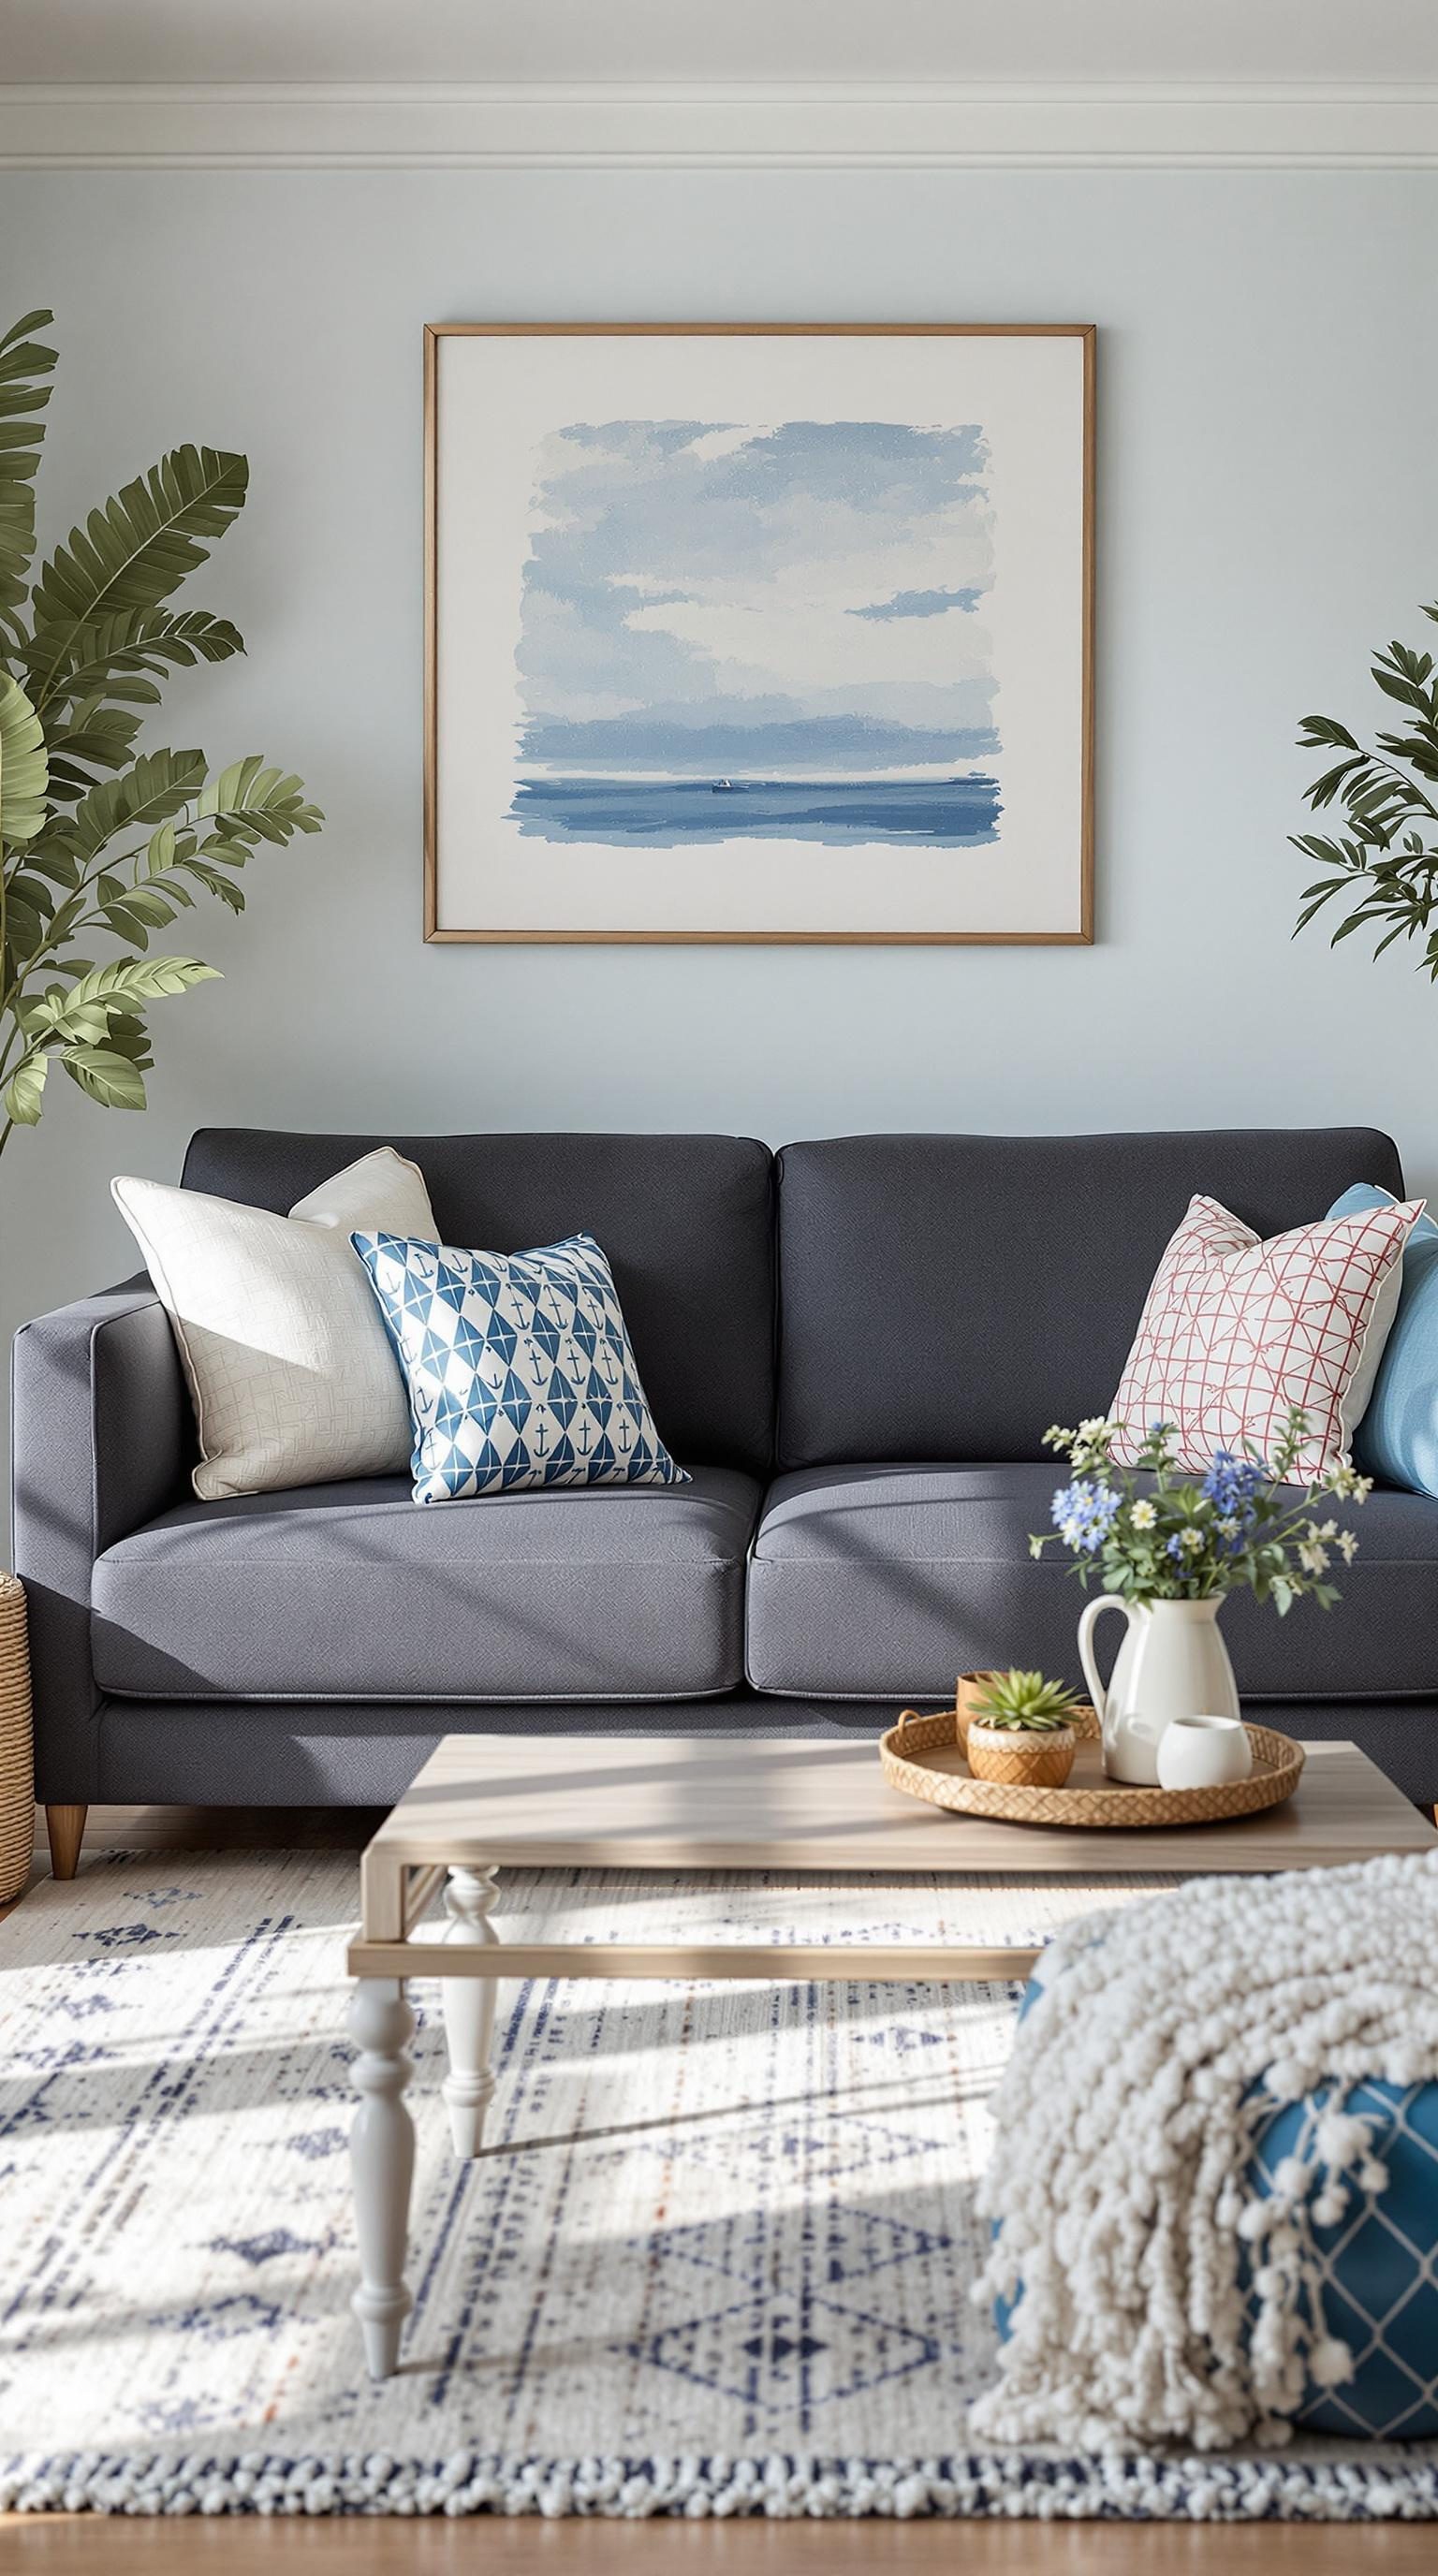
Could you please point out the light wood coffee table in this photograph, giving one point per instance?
(692, 1804)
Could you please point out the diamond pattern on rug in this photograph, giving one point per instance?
(815, 2326)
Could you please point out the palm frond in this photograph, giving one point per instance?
(1384, 863)
(122, 657)
(94, 738)
(161, 783)
(23, 767)
(101, 839)
(132, 554)
(24, 363)
(249, 802)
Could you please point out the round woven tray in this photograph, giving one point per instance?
(17, 1772)
(924, 1756)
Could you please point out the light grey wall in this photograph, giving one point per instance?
(1268, 510)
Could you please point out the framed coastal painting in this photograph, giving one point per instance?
(759, 632)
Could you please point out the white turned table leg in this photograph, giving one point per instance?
(382, 2162)
(469, 2008)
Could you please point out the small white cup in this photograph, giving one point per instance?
(1203, 1752)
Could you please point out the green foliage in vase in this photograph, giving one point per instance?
(1024, 1701)
(99, 840)
(1385, 862)
(1166, 1535)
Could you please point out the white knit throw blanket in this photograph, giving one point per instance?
(1123, 2135)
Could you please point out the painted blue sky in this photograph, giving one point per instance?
(706, 597)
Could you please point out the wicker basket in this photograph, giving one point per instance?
(17, 1762)
(924, 1756)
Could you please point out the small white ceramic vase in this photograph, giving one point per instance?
(1172, 1663)
(1203, 1752)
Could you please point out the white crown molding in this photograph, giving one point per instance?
(492, 126)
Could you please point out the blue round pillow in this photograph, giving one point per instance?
(1380, 2260)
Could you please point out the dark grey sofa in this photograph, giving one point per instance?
(855, 1346)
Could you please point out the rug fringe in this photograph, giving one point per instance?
(1390, 2486)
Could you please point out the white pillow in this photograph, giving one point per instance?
(290, 1369)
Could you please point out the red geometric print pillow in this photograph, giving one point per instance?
(1235, 1330)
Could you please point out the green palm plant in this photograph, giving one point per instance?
(97, 839)
(1385, 865)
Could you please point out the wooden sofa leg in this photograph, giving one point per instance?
(65, 1827)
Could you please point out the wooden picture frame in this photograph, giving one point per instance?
(513, 604)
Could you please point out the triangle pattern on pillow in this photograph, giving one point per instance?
(519, 1368)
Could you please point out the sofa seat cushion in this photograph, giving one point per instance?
(883, 1582)
(349, 1592)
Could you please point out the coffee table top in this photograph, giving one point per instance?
(697, 1803)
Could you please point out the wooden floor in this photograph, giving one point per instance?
(86, 2545)
(80, 2547)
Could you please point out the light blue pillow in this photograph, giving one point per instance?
(519, 1368)
(1397, 1438)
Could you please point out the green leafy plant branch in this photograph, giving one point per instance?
(83, 654)
(1386, 862)
(1163, 1534)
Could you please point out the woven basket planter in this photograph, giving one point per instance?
(1019, 1757)
(17, 1753)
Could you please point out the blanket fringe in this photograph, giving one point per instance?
(1164, 2300)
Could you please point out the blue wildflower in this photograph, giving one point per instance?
(1083, 1514)
(1233, 1484)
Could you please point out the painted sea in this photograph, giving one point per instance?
(667, 813)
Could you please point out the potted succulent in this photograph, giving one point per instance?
(1021, 1731)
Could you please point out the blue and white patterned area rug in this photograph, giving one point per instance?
(714, 2260)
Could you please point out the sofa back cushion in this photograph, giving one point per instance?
(948, 1297)
(686, 1222)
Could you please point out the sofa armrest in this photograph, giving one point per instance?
(100, 1439)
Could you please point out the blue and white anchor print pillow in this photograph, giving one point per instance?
(519, 1368)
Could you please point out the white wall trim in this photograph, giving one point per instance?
(468, 126)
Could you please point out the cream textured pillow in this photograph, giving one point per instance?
(290, 1369)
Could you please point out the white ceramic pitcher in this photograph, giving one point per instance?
(1172, 1663)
